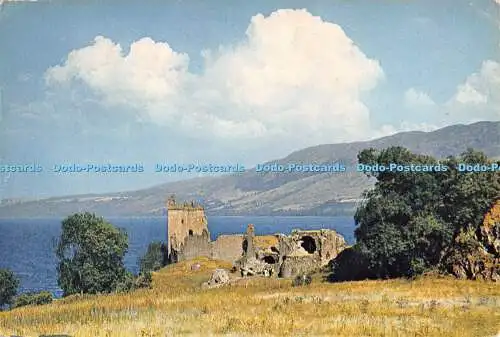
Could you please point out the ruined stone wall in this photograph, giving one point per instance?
(298, 253)
(296, 265)
(227, 247)
(325, 244)
(331, 244)
(195, 246)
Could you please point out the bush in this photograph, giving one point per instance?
(302, 280)
(126, 284)
(154, 258)
(8, 287)
(131, 282)
(144, 280)
(32, 298)
(349, 265)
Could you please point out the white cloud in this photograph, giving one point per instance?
(150, 73)
(475, 99)
(415, 98)
(467, 94)
(478, 98)
(294, 79)
(294, 74)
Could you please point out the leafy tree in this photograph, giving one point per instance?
(468, 196)
(154, 258)
(90, 252)
(410, 217)
(8, 287)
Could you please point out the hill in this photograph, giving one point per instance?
(270, 193)
(178, 305)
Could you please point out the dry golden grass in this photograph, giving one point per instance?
(268, 307)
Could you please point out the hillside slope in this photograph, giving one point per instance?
(177, 305)
(274, 193)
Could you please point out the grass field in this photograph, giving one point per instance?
(177, 305)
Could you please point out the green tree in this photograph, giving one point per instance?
(90, 252)
(154, 258)
(468, 196)
(8, 287)
(408, 219)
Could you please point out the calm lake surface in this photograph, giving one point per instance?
(27, 245)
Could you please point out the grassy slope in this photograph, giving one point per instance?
(177, 305)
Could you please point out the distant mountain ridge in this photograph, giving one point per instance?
(254, 193)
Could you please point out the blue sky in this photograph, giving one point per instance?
(230, 82)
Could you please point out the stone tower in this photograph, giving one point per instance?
(184, 220)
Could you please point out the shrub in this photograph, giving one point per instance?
(131, 282)
(349, 265)
(154, 258)
(302, 280)
(143, 280)
(32, 298)
(126, 284)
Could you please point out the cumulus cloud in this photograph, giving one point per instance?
(479, 96)
(150, 73)
(480, 87)
(292, 74)
(415, 98)
(467, 94)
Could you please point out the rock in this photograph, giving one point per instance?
(475, 253)
(299, 264)
(252, 267)
(489, 232)
(219, 278)
(195, 267)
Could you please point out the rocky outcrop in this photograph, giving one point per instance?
(475, 253)
(219, 278)
(489, 232)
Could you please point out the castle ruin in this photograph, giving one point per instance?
(280, 255)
